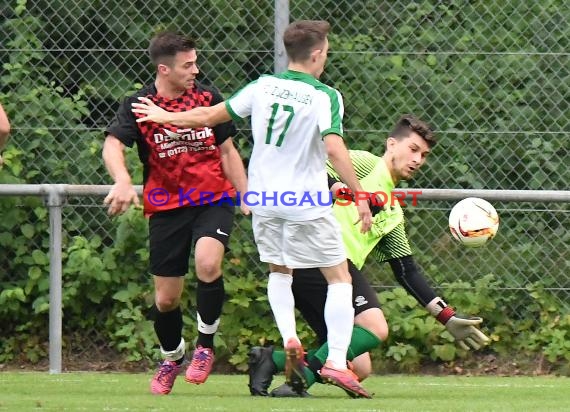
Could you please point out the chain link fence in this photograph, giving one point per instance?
(492, 77)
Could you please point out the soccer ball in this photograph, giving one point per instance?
(473, 222)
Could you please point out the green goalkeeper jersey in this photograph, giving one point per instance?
(374, 177)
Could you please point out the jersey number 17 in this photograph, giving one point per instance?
(275, 108)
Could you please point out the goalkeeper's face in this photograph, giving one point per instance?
(182, 70)
(407, 155)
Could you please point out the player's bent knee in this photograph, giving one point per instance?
(208, 257)
(208, 271)
(374, 321)
(166, 303)
(381, 331)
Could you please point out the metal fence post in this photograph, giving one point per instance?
(56, 194)
(281, 23)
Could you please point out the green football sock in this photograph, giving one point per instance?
(311, 353)
(278, 357)
(309, 376)
(362, 341)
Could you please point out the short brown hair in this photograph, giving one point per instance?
(164, 46)
(303, 36)
(410, 123)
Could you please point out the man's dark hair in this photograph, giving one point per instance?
(164, 46)
(303, 36)
(410, 123)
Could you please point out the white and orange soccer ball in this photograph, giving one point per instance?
(473, 222)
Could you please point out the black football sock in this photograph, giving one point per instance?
(168, 328)
(210, 300)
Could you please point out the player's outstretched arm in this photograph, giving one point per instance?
(464, 330)
(197, 117)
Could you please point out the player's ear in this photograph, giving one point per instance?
(163, 69)
(315, 55)
(390, 143)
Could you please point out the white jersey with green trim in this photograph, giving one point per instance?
(290, 114)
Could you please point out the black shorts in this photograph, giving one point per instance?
(173, 233)
(310, 291)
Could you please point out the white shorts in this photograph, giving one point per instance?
(308, 244)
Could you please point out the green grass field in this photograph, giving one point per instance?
(29, 391)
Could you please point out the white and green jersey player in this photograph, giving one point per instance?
(289, 153)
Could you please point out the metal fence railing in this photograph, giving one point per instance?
(56, 197)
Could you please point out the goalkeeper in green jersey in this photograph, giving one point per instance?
(406, 150)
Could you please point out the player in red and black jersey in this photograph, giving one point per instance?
(190, 175)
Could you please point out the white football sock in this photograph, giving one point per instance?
(176, 354)
(205, 328)
(282, 303)
(339, 317)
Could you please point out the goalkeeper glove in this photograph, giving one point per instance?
(462, 329)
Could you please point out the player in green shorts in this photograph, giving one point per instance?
(406, 151)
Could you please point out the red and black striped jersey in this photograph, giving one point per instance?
(179, 164)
